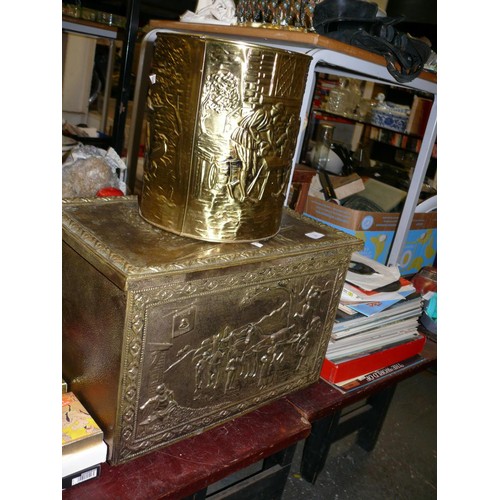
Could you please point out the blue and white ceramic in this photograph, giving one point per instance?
(391, 116)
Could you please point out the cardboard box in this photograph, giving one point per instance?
(377, 230)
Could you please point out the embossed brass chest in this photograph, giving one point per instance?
(223, 119)
(166, 336)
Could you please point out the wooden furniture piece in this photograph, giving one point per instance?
(185, 469)
(301, 181)
(334, 415)
(269, 434)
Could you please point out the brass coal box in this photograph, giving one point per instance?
(166, 336)
(222, 126)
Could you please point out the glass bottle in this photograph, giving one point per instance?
(324, 140)
(354, 97)
(338, 99)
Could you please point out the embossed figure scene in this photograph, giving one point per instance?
(207, 357)
(221, 145)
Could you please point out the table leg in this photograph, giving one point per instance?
(268, 483)
(199, 495)
(367, 423)
(317, 446)
(369, 432)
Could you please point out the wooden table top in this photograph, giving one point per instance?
(294, 37)
(192, 464)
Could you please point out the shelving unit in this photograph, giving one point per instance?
(328, 56)
(351, 114)
(136, 14)
(96, 30)
(128, 35)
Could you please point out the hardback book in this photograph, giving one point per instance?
(369, 378)
(79, 429)
(78, 462)
(364, 343)
(81, 476)
(336, 372)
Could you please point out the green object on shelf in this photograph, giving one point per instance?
(431, 309)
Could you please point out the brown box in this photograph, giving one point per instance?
(165, 336)
(377, 231)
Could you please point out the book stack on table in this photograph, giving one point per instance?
(376, 326)
(83, 446)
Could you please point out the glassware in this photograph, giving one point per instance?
(324, 140)
(354, 97)
(338, 99)
(364, 109)
(286, 14)
(72, 9)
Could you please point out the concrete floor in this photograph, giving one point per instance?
(403, 465)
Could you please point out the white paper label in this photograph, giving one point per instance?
(314, 235)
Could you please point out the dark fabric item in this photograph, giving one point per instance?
(344, 10)
(405, 56)
(359, 202)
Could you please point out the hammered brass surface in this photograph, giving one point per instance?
(165, 336)
(222, 125)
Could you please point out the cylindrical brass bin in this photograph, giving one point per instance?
(222, 126)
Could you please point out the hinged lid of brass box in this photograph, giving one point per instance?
(165, 336)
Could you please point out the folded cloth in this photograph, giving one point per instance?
(212, 12)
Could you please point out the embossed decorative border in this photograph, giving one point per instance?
(126, 446)
(253, 254)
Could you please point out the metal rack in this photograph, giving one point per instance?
(327, 56)
(111, 35)
(129, 37)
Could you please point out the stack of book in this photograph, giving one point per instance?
(83, 446)
(376, 324)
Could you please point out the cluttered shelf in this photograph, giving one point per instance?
(90, 27)
(363, 112)
(352, 118)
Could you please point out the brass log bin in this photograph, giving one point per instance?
(166, 336)
(222, 125)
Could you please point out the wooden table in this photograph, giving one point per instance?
(185, 469)
(327, 409)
